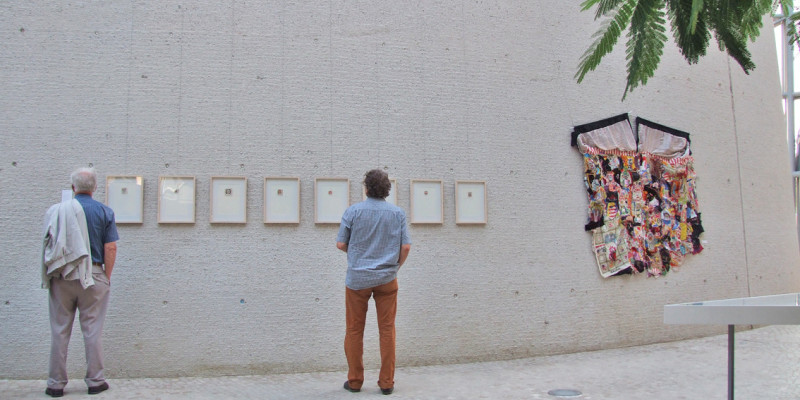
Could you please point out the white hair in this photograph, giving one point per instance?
(84, 180)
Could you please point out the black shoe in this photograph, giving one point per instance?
(54, 392)
(349, 389)
(98, 389)
(387, 391)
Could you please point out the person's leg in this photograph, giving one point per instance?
(62, 304)
(93, 304)
(386, 308)
(356, 304)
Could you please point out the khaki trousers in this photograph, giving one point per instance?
(356, 303)
(92, 303)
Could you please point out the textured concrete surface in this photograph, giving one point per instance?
(447, 90)
(766, 368)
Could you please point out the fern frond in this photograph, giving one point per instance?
(787, 12)
(604, 7)
(730, 37)
(751, 20)
(691, 40)
(587, 4)
(605, 40)
(646, 40)
(693, 22)
(791, 28)
(697, 7)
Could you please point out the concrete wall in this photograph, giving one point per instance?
(442, 90)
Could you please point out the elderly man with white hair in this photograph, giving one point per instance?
(78, 255)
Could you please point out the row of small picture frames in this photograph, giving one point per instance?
(228, 197)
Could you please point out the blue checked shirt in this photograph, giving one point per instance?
(374, 230)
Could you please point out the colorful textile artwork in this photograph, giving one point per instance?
(643, 211)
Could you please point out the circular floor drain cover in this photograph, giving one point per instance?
(564, 393)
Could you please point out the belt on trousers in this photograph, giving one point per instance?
(96, 267)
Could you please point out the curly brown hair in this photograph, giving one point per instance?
(377, 184)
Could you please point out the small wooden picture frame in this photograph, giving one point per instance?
(471, 204)
(176, 199)
(125, 195)
(427, 201)
(228, 200)
(331, 199)
(281, 200)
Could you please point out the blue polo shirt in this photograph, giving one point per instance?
(374, 230)
(101, 224)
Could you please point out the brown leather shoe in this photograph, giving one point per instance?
(98, 389)
(54, 392)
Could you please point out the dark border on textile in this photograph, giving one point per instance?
(577, 130)
(665, 129)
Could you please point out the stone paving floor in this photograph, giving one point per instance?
(767, 366)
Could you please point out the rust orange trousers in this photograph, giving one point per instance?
(356, 303)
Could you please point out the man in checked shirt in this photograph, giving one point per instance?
(374, 234)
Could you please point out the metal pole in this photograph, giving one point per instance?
(730, 361)
(788, 73)
(788, 94)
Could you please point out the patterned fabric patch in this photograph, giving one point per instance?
(643, 211)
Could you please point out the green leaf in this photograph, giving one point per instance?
(730, 35)
(605, 39)
(604, 7)
(733, 23)
(791, 18)
(791, 28)
(692, 43)
(646, 40)
(750, 19)
(697, 7)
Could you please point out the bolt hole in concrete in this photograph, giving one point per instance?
(565, 393)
